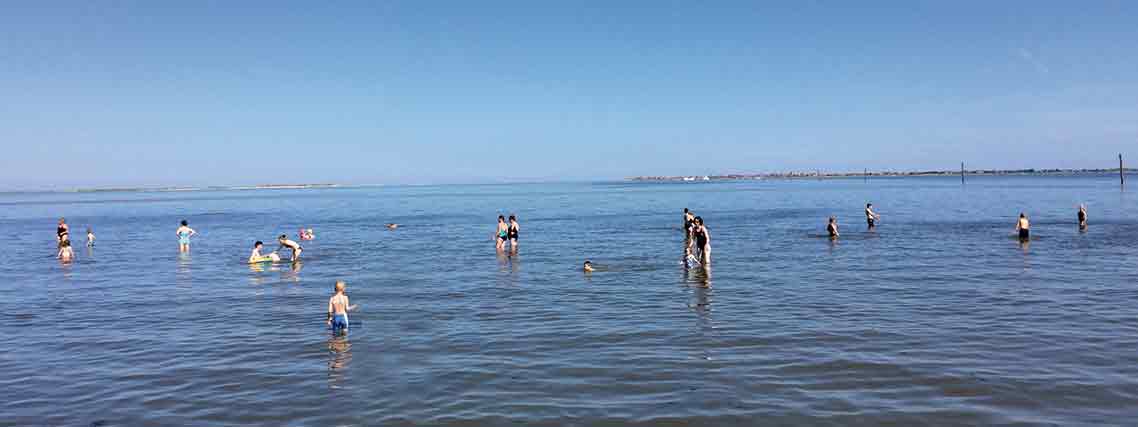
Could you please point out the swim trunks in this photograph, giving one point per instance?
(870, 221)
(339, 322)
(1024, 234)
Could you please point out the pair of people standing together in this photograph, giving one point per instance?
(698, 240)
(507, 232)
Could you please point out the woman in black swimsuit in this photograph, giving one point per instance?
(512, 233)
(61, 232)
(702, 240)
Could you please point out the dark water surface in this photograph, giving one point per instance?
(939, 317)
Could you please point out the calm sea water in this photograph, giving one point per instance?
(939, 317)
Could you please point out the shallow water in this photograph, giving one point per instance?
(938, 317)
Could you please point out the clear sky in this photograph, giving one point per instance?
(100, 93)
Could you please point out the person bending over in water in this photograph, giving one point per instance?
(65, 252)
(1023, 227)
(502, 233)
(338, 308)
(588, 267)
(1082, 216)
(286, 243)
(184, 232)
(90, 237)
(832, 228)
(512, 233)
(61, 232)
(871, 217)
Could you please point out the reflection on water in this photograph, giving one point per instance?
(292, 274)
(339, 356)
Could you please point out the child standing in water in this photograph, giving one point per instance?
(286, 243)
(65, 252)
(832, 228)
(184, 232)
(90, 237)
(338, 307)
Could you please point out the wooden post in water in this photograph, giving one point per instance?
(961, 172)
(1121, 176)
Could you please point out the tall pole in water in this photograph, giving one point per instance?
(865, 174)
(961, 172)
(1121, 176)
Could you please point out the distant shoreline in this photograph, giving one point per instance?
(205, 188)
(870, 174)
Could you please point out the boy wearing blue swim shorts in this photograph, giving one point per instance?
(338, 307)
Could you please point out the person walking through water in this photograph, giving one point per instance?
(1083, 216)
(512, 233)
(702, 240)
(502, 234)
(62, 232)
(1023, 227)
(184, 232)
(832, 228)
(871, 217)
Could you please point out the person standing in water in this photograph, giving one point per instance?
(338, 308)
(1023, 227)
(184, 232)
(502, 234)
(61, 232)
(66, 254)
(688, 218)
(702, 240)
(512, 233)
(871, 217)
(1083, 216)
(90, 237)
(832, 228)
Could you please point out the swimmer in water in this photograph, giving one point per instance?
(90, 237)
(871, 217)
(391, 226)
(832, 228)
(184, 232)
(1023, 227)
(286, 243)
(588, 267)
(338, 308)
(1082, 216)
(311, 235)
(61, 232)
(65, 252)
(512, 233)
(502, 233)
(255, 256)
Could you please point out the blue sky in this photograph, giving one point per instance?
(154, 93)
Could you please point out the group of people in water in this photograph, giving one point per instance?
(507, 233)
(697, 240)
(63, 240)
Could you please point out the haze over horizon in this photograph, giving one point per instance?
(148, 94)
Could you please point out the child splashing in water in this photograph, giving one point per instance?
(66, 254)
(338, 308)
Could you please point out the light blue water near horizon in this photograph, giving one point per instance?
(938, 317)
